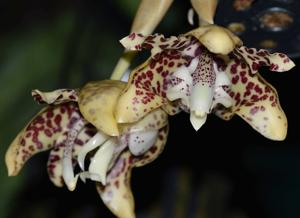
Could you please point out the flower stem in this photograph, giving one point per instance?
(206, 10)
(122, 65)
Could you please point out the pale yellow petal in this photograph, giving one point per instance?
(97, 102)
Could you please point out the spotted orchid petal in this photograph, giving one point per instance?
(117, 194)
(48, 129)
(254, 58)
(255, 101)
(54, 164)
(148, 84)
(97, 101)
(55, 97)
(157, 43)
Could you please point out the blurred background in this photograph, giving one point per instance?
(225, 170)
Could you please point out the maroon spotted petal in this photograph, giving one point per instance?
(256, 58)
(48, 129)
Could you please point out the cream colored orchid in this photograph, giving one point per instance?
(79, 127)
(199, 71)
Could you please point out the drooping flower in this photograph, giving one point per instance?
(200, 71)
(79, 127)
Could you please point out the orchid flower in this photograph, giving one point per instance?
(79, 127)
(205, 69)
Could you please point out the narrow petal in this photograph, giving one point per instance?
(256, 58)
(97, 101)
(67, 165)
(117, 193)
(58, 96)
(48, 127)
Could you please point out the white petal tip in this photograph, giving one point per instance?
(197, 121)
(72, 183)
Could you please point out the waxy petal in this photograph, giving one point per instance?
(117, 193)
(255, 101)
(256, 58)
(216, 39)
(45, 131)
(97, 140)
(97, 102)
(58, 96)
(102, 159)
(197, 119)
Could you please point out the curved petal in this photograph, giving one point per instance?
(256, 58)
(255, 101)
(97, 101)
(49, 127)
(101, 160)
(216, 39)
(58, 96)
(117, 194)
(156, 43)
